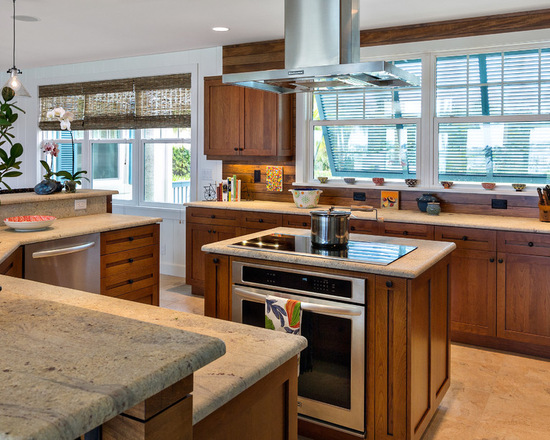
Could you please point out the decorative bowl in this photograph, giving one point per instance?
(518, 186)
(446, 184)
(322, 179)
(23, 223)
(411, 182)
(378, 181)
(349, 180)
(306, 197)
(488, 185)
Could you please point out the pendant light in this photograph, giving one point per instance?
(14, 83)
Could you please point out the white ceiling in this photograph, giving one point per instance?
(71, 31)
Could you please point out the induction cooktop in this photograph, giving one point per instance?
(360, 251)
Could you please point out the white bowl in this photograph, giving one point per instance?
(306, 198)
(25, 223)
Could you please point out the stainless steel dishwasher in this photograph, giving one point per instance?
(67, 262)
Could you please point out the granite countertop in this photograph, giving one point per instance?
(428, 253)
(66, 369)
(10, 240)
(31, 197)
(494, 222)
(251, 353)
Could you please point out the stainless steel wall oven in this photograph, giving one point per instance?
(331, 384)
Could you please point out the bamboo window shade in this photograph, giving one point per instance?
(133, 103)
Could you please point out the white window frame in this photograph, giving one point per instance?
(427, 160)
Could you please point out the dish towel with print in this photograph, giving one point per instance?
(283, 315)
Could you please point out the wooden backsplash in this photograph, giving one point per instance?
(451, 201)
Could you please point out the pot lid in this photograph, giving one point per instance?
(330, 213)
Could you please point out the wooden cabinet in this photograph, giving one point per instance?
(257, 221)
(13, 265)
(357, 226)
(297, 221)
(407, 230)
(217, 288)
(130, 264)
(239, 121)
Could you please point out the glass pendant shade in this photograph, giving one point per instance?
(15, 84)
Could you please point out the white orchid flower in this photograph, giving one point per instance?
(65, 124)
(50, 114)
(68, 116)
(59, 112)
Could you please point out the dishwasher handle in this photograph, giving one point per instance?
(327, 310)
(63, 251)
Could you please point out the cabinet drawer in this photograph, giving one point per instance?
(260, 220)
(130, 238)
(524, 243)
(212, 216)
(410, 230)
(120, 283)
(363, 226)
(148, 295)
(296, 221)
(467, 238)
(130, 263)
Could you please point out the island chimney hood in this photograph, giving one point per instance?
(322, 53)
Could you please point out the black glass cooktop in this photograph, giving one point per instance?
(360, 251)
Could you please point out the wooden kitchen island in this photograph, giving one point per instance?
(407, 371)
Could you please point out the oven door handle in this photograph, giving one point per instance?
(310, 307)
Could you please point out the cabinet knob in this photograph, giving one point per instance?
(464, 238)
(389, 283)
(212, 216)
(130, 281)
(530, 244)
(491, 260)
(130, 260)
(236, 149)
(241, 149)
(405, 232)
(215, 260)
(500, 260)
(261, 220)
(305, 224)
(210, 231)
(130, 238)
(213, 231)
(353, 228)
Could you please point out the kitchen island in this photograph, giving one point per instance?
(93, 357)
(404, 322)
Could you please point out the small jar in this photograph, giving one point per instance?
(434, 208)
(424, 200)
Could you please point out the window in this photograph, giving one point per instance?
(367, 133)
(134, 135)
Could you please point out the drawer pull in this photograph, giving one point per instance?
(500, 260)
(305, 224)
(215, 260)
(465, 238)
(130, 260)
(405, 232)
(236, 149)
(241, 149)
(130, 281)
(389, 283)
(353, 228)
(261, 220)
(130, 238)
(491, 260)
(212, 216)
(213, 231)
(530, 244)
(210, 231)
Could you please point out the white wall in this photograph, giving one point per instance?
(206, 62)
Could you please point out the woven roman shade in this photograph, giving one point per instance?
(133, 103)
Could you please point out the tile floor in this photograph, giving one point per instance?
(493, 395)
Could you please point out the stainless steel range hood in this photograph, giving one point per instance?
(322, 53)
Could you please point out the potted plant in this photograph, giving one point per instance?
(7, 118)
(71, 180)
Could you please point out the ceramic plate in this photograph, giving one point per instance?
(29, 222)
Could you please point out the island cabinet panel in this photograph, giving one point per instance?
(13, 265)
(245, 123)
(217, 287)
(130, 264)
(296, 221)
(408, 230)
(260, 220)
(359, 226)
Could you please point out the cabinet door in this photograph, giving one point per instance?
(13, 265)
(217, 287)
(260, 123)
(524, 298)
(407, 230)
(473, 292)
(223, 123)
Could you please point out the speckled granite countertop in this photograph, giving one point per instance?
(251, 353)
(496, 222)
(10, 240)
(428, 253)
(65, 369)
(30, 197)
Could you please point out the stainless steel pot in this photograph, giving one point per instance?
(330, 228)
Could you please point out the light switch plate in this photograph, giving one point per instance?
(80, 204)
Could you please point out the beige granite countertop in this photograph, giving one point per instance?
(67, 369)
(428, 253)
(10, 240)
(30, 197)
(251, 353)
(495, 222)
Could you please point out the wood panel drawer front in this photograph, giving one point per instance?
(130, 263)
(130, 281)
(148, 295)
(410, 230)
(296, 221)
(213, 216)
(13, 265)
(467, 238)
(260, 220)
(363, 226)
(523, 243)
(130, 238)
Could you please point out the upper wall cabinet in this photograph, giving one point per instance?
(239, 122)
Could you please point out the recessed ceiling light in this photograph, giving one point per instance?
(220, 29)
(26, 18)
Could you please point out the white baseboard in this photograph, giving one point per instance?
(176, 270)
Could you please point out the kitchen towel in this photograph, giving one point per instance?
(283, 314)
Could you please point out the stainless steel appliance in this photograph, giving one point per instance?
(331, 384)
(67, 262)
